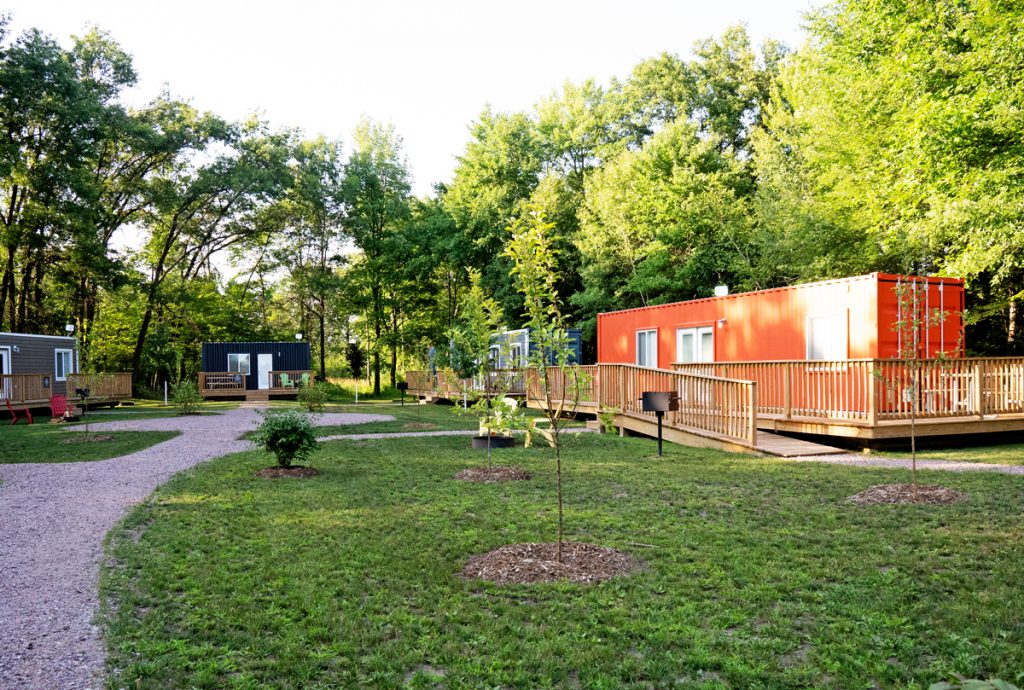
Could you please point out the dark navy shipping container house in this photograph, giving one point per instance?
(512, 348)
(257, 361)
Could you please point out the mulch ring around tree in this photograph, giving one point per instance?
(295, 472)
(904, 493)
(491, 475)
(88, 438)
(529, 563)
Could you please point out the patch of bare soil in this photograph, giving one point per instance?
(295, 471)
(529, 563)
(420, 426)
(490, 475)
(904, 493)
(88, 438)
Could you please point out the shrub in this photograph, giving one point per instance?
(313, 397)
(185, 397)
(288, 435)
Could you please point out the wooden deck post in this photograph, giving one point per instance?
(752, 418)
(869, 376)
(976, 391)
(787, 385)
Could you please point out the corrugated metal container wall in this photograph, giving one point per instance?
(286, 357)
(773, 324)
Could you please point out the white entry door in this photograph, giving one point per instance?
(264, 365)
(5, 368)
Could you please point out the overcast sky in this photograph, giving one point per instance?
(428, 67)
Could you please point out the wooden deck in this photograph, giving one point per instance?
(29, 391)
(226, 384)
(732, 405)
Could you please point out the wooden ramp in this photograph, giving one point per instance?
(787, 447)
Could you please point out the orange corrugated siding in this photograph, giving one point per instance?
(771, 324)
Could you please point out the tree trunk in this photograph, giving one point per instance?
(323, 339)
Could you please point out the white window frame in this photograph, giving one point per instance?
(515, 355)
(240, 357)
(696, 332)
(841, 329)
(69, 367)
(649, 333)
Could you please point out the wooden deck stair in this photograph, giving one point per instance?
(788, 447)
(257, 396)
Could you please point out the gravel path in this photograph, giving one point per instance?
(904, 464)
(53, 518)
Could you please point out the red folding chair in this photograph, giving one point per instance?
(14, 413)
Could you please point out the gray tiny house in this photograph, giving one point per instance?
(235, 368)
(36, 367)
(512, 349)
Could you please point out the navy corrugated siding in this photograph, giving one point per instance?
(287, 357)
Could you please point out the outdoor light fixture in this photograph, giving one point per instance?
(298, 336)
(659, 403)
(15, 349)
(69, 328)
(721, 323)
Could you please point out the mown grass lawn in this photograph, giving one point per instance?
(757, 575)
(1000, 454)
(44, 442)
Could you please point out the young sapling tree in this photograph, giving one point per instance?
(555, 378)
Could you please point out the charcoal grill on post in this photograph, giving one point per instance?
(403, 387)
(659, 402)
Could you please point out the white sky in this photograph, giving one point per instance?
(428, 67)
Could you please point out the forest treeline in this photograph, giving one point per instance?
(892, 140)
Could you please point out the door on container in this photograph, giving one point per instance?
(696, 345)
(5, 369)
(264, 365)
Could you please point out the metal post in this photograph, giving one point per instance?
(165, 394)
(660, 415)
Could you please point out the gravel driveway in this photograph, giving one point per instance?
(53, 518)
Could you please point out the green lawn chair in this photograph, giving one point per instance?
(305, 379)
(286, 382)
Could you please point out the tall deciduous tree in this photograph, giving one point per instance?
(899, 124)
(376, 190)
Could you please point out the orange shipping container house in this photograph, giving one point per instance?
(849, 318)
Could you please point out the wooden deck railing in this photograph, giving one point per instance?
(113, 386)
(25, 388)
(723, 406)
(223, 382)
(290, 380)
(872, 390)
(449, 384)
(707, 403)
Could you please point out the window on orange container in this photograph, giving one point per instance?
(647, 348)
(826, 336)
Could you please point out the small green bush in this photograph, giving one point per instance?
(288, 435)
(185, 397)
(313, 397)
